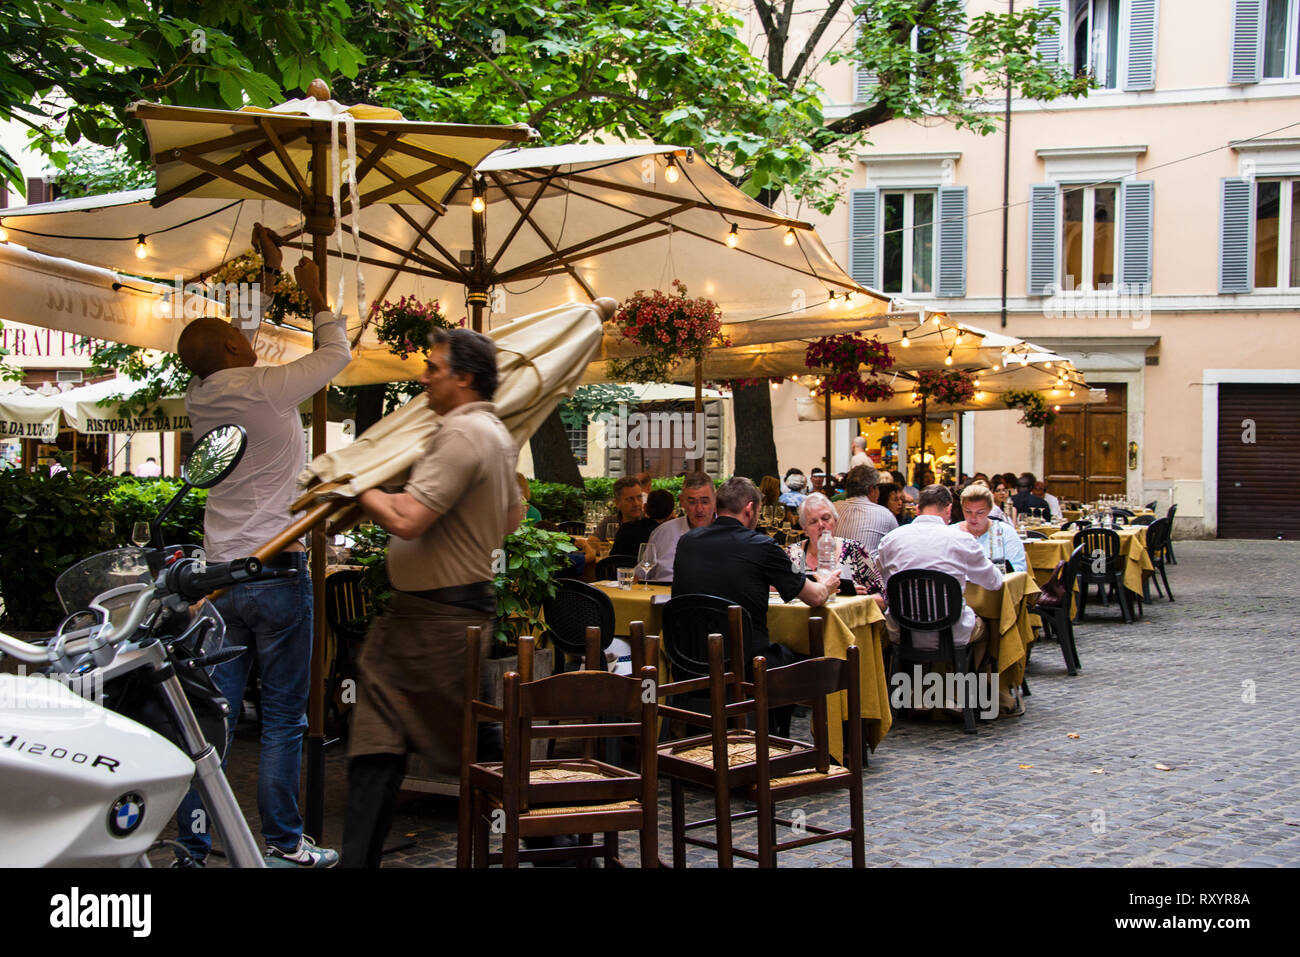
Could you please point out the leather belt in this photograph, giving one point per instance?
(479, 596)
(283, 560)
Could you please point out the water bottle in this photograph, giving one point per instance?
(826, 562)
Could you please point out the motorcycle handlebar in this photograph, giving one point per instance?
(192, 582)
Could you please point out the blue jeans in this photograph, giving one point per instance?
(273, 619)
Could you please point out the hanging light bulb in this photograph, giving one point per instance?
(977, 382)
(141, 247)
(4, 233)
(1047, 365)
(1071, 393)
(789, 236)
(936, 320)
(672, 173)
(959, 336)
(996, 367)
(847, 296)
(478, 204)
(979, 394)
(733, 237)
(906, 342)
(833, 302)
(913, 396)
(948, 359)
(774, 385)
(1056, 408)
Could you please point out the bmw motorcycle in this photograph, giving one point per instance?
(118, 716)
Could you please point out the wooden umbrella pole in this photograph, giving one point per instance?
(699, 388)
(922, 466)
(320, 224)
(828, 434)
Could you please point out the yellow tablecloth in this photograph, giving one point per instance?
(1006, 609)
(1132, 543)
(1043, 555)
(848, 621)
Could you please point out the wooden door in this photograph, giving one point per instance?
(1259, 461)
(1085, 451)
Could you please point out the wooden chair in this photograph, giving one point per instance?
(759, 768)
(1102, 564)
(522, 797)
(345, 607)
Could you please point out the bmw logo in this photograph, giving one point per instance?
(126, 814)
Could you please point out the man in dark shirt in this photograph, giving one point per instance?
(1025, 499)
(731, 560)
(634, 529)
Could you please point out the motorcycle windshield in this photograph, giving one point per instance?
(97, 574)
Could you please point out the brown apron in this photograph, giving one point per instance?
(411, 681)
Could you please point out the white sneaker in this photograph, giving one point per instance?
(306, 854)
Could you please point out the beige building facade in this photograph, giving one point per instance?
(1153, 239)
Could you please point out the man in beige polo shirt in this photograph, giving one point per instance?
(459, 503)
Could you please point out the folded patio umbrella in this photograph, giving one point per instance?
(540, 358)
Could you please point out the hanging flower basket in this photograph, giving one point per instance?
(287, 302)
(850, 365)
(1035, 412)
(673, 328)
(944, 386)
(405, 324)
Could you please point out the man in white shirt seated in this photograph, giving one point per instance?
(860, 517)
(930, 543)
(998, 539)
(697, 500)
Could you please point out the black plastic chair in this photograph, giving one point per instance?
(1122, 512)
(923, 600)
(1150, 505)
(1077, 523)
(688, 620)
(1033, 534)
(576, 607)
(573, 528)
(607, 568)
(1102, 565)
(1169, 542)
(1056, 620)
(1157, 542)
(1143, 520)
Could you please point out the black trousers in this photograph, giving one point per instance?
(373, 783)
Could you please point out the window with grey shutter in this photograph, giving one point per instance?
(864, 237)
(1049, 43)
(1136, 212)
(1140, 72)
(952, 241)
(1044, 239)
(1235, 240)
(1247, 50)
(864, 81)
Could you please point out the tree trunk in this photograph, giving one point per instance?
(553, 459)
(370, 406)
(755, 447)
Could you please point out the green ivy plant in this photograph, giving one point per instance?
(556, 501)
(533, 562)
(1035, 412)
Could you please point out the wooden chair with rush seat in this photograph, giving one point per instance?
(522, 797)
(758, 767)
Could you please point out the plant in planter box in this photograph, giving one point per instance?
(526, 573)
(1035, 412)
(556, 501)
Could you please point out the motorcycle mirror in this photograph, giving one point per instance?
(214, 456)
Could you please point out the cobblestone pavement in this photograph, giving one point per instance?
(1204, 687)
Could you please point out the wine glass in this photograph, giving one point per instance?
(645, 559)
(140, 534)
